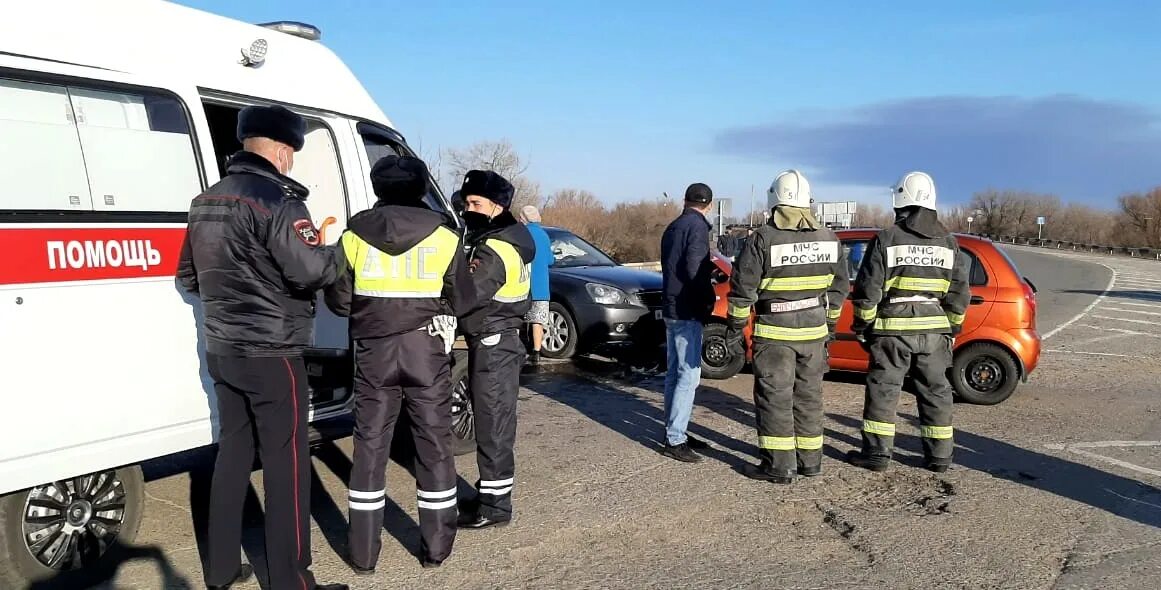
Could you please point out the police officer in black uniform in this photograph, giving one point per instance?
(403, 276)
(500, 259)
(910, 299)
(792, 275)
(256, 259)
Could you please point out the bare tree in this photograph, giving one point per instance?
(872, 216)
(1140, 218)
(498, 156)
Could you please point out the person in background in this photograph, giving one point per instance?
(688, 300)
(257, 262)
(537, 317)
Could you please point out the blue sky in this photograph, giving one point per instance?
(630, 99)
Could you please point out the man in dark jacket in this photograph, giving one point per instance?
(500, 261)
(255, 258)
(403, 277)
(689, 299)
(909, 300)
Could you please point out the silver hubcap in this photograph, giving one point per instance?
(556, 333)
(70, 524)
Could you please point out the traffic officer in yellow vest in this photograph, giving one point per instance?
(500, 259)
(792, 274)
(910, 298)
(402, 282)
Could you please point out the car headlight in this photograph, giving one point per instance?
(606, 295)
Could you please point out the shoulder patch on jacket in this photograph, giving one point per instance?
(306, 232)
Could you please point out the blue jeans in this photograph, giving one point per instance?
(683, 351)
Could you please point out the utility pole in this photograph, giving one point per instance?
(751, 218)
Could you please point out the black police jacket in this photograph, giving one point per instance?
(488, 316)
(396, 230)
(254, 256)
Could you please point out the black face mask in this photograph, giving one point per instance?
(476, 221)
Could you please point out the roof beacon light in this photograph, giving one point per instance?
(294, 28)
(255, 55)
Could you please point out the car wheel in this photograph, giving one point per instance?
(716, 360)
(560, 335)
(68, 529)
(984, 374)
(463, 417)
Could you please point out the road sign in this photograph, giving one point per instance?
(971, 219)
(1039, 221)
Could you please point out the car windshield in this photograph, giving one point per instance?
(570, 251)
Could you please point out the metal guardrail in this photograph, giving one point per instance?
(1145, 253)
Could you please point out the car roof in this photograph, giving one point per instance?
(870, 232)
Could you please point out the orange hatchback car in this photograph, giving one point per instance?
(998, 348)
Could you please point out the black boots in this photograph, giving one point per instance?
(244, 573)
(765, 471)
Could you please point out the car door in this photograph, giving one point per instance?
(845, 351)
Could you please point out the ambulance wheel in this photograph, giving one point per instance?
(716, 360)
(463, 418)
(74, 532)
(560, 335)
(984, 374)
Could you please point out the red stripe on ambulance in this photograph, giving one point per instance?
(52, 255)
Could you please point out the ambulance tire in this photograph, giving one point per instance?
(463, 418)
(716, 361)
(20, 569)
(984, 374)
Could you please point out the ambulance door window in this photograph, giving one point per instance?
(138, 150)
(41, 166)
(378, 146)
(316, 166)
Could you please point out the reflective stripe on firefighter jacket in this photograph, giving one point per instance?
(417, 273)
(517, 275)
(910, 284)
(793, 281)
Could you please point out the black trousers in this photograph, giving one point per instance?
(494, 365)
(406, 370)
(926, 357)
(262, 402)
(788, 399)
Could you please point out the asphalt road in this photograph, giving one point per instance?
(1055, 488)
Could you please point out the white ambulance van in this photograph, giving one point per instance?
(113, 116)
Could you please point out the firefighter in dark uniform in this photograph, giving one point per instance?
(909, 299)
(403, 276)
(257, 261)
(792, 274)
(501, 255)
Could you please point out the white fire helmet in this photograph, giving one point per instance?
(789, 188)
(914, 189)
